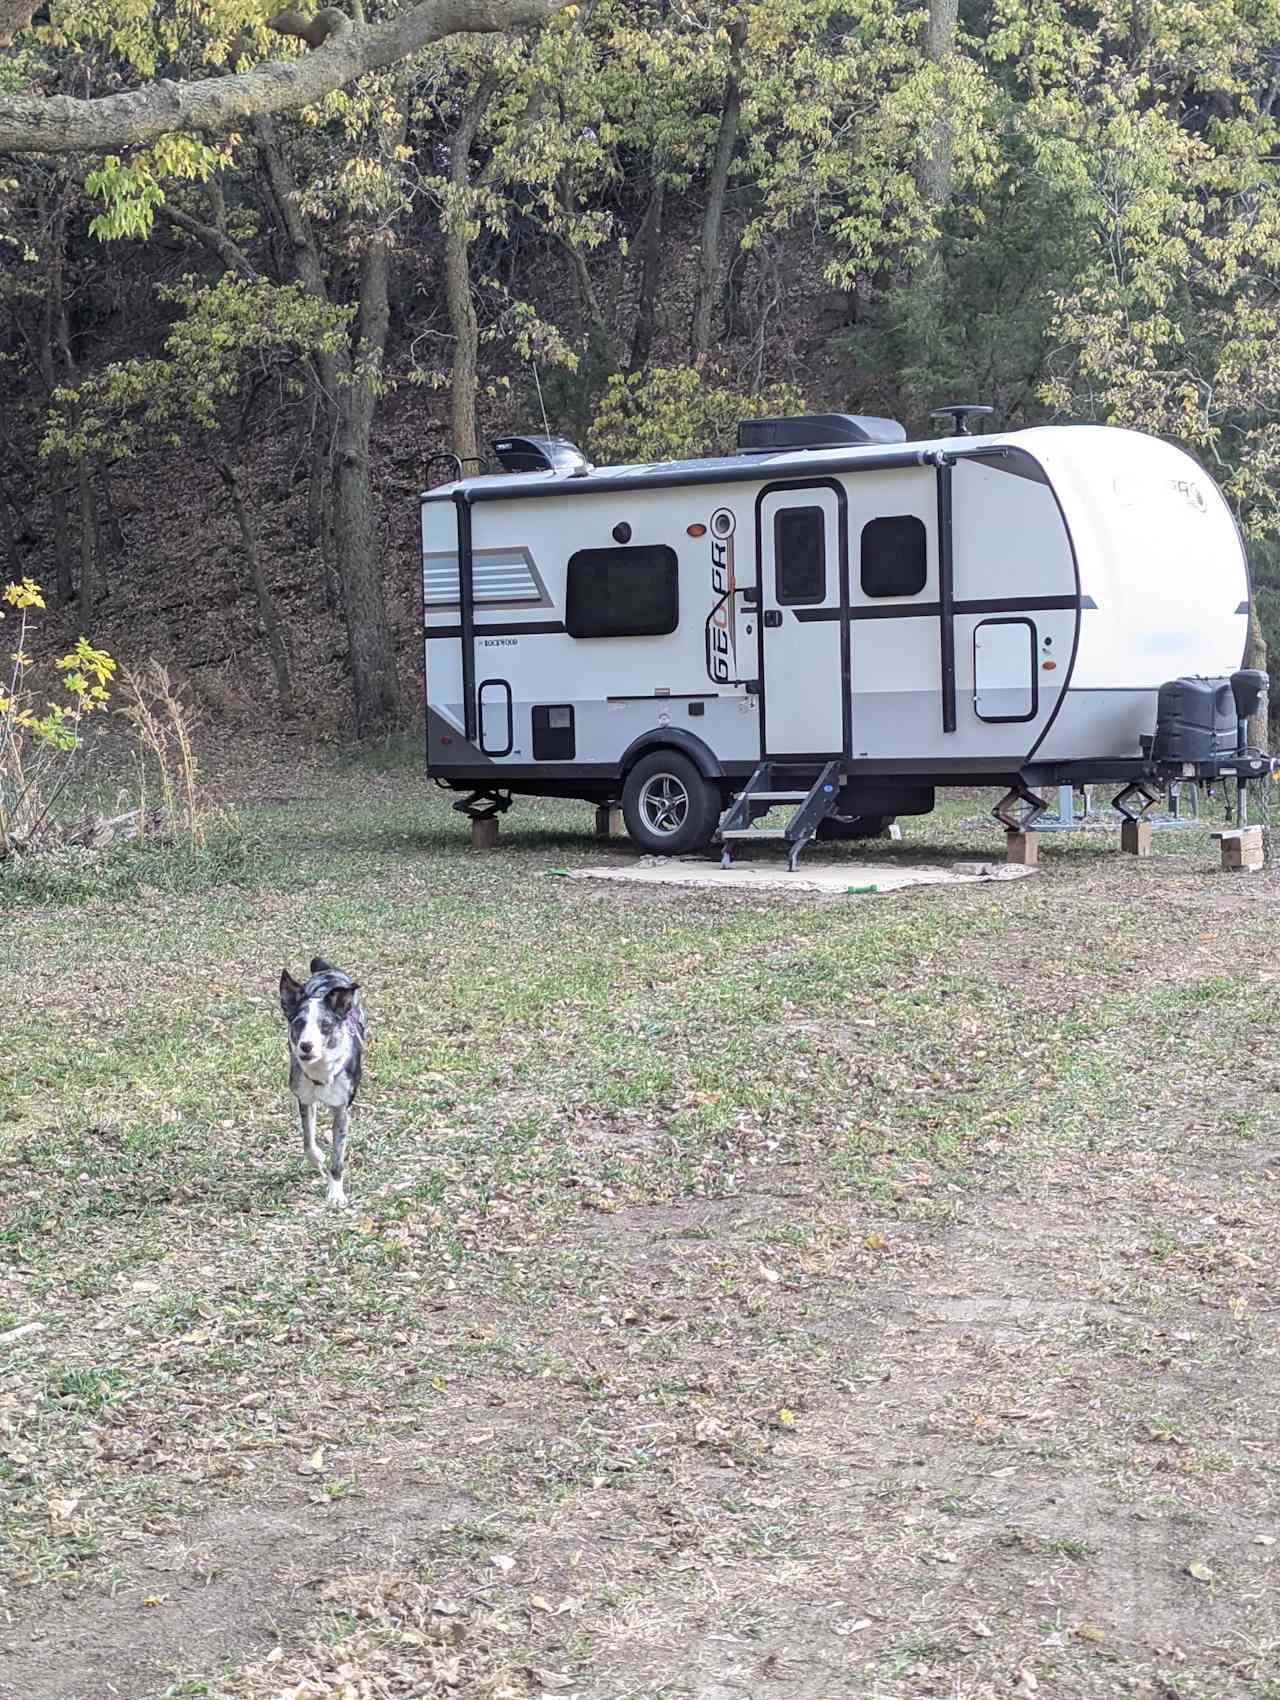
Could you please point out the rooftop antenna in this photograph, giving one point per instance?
(541, 404)
(957, 414)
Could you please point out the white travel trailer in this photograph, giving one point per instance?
(833, 619)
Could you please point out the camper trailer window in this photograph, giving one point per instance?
(800, 553)
(623, 592)
(894, 558)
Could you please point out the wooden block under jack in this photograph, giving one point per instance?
(1022, 849)
(609, 823)
(1135, 837)
(484, 832)
(1241, 849)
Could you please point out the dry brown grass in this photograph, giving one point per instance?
(163, 725)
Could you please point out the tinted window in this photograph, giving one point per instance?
(894, 557)
(800, 554)
(623, 592)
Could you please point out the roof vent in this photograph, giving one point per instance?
(541, 454)
(815, 431)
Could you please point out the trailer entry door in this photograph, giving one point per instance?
(804, 642)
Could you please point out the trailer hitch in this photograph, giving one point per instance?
(1136, 789)
(1019, 793)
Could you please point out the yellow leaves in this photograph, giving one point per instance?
(86, 660)
(24, 595)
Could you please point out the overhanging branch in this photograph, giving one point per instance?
(341, 52)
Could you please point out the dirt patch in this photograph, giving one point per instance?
(239, 1581)
(835, 879)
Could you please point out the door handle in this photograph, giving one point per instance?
(772, 617)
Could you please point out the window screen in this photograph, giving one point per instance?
(800, 554)
(623, 592)
(894, 557)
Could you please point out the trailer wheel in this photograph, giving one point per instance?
(843, 828)
(668, 807)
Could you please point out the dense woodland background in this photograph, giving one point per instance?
(226, 362)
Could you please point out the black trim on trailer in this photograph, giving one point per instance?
(1243, 608)
(946, 594)
(467, 612)
(669, 696)
(882, 612)
(846, 636)
(509, 628)
(426, 687)
(975, 605)
(594, 781)
(700, 754)
(956, 772)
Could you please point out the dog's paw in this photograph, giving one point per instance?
(335, 1198)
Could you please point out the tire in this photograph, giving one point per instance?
(668, 807)
(844, 828)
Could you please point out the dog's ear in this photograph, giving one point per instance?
(290, 994)
(320, 966)
(342, 999)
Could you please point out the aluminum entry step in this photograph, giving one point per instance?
(775, 796)
(755, 832)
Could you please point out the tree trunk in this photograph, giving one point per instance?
(87, 598)
(51, 316)
(650, 274)
(111, 539)
(717, 189)
(457, 273)
(933, 173)
(271, 630)
(8, 531)
(318, 466)
(329, 551)
(320, 496)
(1255, 655)
(357, 534)
(350, 384)
(84, 472)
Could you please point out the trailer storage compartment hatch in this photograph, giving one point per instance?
(1004, 670)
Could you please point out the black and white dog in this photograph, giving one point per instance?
(326, 1047)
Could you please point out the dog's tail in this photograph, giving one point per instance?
(320, 966)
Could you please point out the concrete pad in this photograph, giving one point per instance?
(832, 878)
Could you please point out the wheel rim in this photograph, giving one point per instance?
(664, 804)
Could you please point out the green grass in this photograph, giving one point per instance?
(639, 1172)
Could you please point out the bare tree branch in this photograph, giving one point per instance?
(341, 51)
(216, 241)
